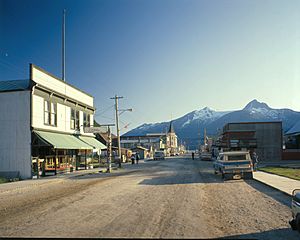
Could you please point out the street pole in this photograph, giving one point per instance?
(109, 151)
(64, 46)
(116, 98)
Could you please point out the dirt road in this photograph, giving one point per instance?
(175, 198)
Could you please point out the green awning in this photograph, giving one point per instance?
(62, 141)
(93, 142)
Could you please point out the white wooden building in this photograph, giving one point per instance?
(42, 124)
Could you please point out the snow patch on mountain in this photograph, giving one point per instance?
(146, 126)
(205, 115)
(261, 109)
(266, 112)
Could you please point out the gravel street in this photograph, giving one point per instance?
(173, 198)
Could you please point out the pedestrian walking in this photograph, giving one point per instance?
(132, 159)
(193, 155)
(254, 160)
(137, 158)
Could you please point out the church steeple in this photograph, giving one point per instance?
(171, 128)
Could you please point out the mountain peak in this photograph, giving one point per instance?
(256, 104)
(208, 109)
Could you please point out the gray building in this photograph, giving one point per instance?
(265, 138)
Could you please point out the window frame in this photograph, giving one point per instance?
(50, 113)
(74, 119)
(86, 119)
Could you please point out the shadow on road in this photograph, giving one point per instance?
(275, 194)
(186, 177)
(283, 233)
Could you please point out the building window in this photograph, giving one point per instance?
(50, 113)
(86, 120)
(74, 119)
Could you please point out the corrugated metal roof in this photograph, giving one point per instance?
(14, 85)
(295, 129)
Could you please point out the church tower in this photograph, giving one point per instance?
(172, 145)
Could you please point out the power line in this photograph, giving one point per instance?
(104, 111)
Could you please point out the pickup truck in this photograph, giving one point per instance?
(295, 222)
(234, 165)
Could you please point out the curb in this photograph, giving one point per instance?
(278, 174)
(287, 194)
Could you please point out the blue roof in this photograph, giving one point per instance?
(14, 85)
(295, 129)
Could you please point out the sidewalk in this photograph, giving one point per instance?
(27, 183)
(283, 184)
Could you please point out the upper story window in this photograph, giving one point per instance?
(86, 120)
(74, 119)
(50, 113)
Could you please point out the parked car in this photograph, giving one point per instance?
(159, 155)
(205, 156)
(295, 207)
(234, 165)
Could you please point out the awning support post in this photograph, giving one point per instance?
(85, 159)
(55, 165)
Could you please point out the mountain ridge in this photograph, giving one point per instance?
(189, 128)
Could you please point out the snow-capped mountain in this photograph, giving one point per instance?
(190, 127)
(206, 115)
(189, 121)
(257, 108)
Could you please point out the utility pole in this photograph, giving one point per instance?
(116, 98)
(108, 151)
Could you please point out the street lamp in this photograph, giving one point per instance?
(118, 113)
(124, 110)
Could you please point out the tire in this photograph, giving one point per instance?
(216, 172)
(248, 175)
(293, 224)
(298, 222)
(227, 176)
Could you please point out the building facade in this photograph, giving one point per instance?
(291, 141)
(171, 141)
(166, 142)
(265, 138)
(152, 142)
(43, 130)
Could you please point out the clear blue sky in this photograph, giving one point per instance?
(166, 57)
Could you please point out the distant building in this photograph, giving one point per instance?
(265, 138)
(291, 138)
(42, 126)
(153, 142)
(171, 140)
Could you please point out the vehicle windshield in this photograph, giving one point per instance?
(237, 157)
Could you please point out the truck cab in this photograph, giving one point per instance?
(234, 165)
(295, 207)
